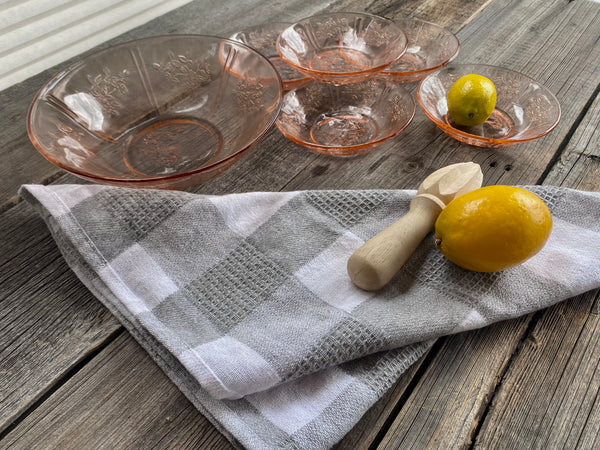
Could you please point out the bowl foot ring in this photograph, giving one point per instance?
(499, 125)
(343, 130)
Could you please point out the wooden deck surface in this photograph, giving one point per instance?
(71, 377)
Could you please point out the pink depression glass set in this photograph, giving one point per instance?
(346, 108)
(174, 111)
(358, 64)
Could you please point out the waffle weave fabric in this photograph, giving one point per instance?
(245, 303)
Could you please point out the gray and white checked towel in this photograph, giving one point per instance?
(244, 300)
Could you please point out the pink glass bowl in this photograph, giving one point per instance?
(430, 47)
(263, 38)
(341, 48)
(161, 112)
(345, 120)
(525, 109)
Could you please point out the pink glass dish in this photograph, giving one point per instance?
(263, 38)
(161, 112)
(525, 109)
(430, 47)
(341, 48)
(348, 119)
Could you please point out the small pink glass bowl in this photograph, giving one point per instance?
(341, 48)
(348, 119)
(263, 38)
(161, 112)
(430, 47)
(525, 110)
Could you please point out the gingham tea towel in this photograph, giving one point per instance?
(244, 300)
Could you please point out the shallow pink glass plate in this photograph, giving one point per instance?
(341, 48)
(161, 112)
(345, 120)
(263, 38)
(430, 47)
(525, 109)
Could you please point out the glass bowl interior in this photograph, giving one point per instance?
(164, 111)
(525, 109)
(341, 47)
(347, 119)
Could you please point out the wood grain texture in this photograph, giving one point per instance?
(549, 396)
(123, 391)
(578, 164)
(448, 400)
(50, 322)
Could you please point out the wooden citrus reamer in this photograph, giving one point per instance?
(374, 264)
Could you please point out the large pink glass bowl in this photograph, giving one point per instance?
(525, 109)
(430, 47)
(348, 119)
(341, 48)
(161, 112)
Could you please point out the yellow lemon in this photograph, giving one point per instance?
(471, 100)
(493, 228)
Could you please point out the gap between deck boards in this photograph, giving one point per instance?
(64, 378)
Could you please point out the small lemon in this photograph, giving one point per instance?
(493, 228)
(471, 100)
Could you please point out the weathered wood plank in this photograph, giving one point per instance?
(449, 14)
(550, 390)
(50, 322)
(578, 166)
(121, 399)
(445, 406)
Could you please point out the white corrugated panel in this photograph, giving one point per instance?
(38, 34)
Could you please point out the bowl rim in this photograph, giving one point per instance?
(276, 25)
(79, 60)
(389, 72)
(333, 75)
(499, 141)
(350, 148)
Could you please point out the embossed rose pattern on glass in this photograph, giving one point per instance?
(263, 38)
(430, 47)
